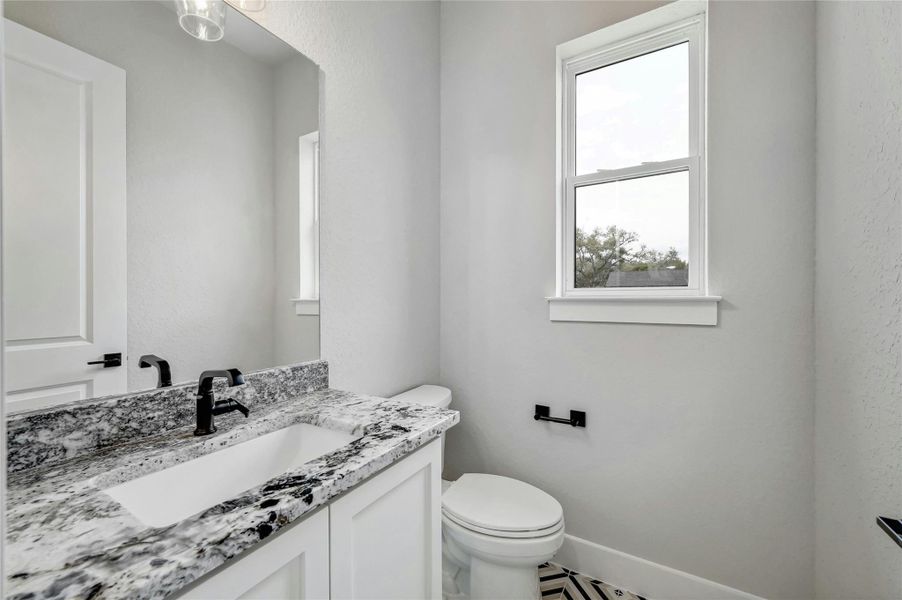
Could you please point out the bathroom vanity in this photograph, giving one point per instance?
(318, 494)
(380, 540)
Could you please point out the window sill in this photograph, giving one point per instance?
(306, 306)
(666, 310)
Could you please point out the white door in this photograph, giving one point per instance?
(386, 534)
(293, 565)
(64, 238)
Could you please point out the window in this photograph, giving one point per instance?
(631, 198)
(307, 302)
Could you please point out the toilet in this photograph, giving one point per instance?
(495, 530)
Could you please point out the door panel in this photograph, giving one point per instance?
(386, 533)
(64, 227)
(293, 565)
(45, 200)
(285, 583)
(50, 395)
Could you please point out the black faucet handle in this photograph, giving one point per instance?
(240, 408)
(221, 407)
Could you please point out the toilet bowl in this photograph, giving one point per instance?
(495, 530)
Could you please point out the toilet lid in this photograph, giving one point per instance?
(495, 503)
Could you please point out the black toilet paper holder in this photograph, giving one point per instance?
(577, 417)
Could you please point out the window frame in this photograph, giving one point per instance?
(307, 302)
(690, 30)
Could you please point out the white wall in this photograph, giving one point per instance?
(200, 245)
(699, 447)
(296, 112)
(379, 281)
(858, 299)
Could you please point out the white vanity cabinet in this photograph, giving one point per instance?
(291, 566)
(386, 534)
(382, 539)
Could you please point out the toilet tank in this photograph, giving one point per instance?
(430, 395)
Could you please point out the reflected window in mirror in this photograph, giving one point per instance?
(307, 301)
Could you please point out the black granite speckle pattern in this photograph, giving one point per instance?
(70, 430)
(67, 539)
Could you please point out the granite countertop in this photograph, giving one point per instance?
(68, 539)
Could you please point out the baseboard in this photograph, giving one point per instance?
(640, 576)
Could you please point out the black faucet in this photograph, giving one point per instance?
(207, 406)
(164, 376)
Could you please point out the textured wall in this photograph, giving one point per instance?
(379, 281)
(699, 449)
(200, 250)
(858, 299)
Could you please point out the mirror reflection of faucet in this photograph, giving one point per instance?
(164, 375)
(208, 406)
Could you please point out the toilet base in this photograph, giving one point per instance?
(499, 582)
(455, 580)
(488, 582)
(469, 576)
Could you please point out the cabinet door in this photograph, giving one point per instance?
(293, 565)
(386, 535)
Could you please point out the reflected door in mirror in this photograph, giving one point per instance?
(63, 222)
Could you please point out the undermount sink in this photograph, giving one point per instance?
(170, 495)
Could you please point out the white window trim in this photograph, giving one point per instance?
(307, 302)
(675, 23)
(663, 310)
(306, 306)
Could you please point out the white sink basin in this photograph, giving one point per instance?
(168, 496)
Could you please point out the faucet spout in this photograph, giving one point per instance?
(232, 376)
(164, 375)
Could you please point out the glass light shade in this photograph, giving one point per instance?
(251, 5)
(202, 19)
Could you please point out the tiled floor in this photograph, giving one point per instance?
(559, 583)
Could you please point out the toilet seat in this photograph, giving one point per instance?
(498, 533)
(501, 507)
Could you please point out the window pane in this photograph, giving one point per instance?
(633, 111)
(633, 233)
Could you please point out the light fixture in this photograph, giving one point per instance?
(202, 19)
(251, 5)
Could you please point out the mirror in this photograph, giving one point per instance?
(160, 198)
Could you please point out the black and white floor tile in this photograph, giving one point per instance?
(559, 583)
